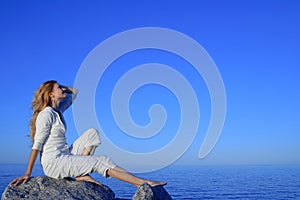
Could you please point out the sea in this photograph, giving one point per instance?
(201, 182)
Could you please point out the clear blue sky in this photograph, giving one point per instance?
(255, 45)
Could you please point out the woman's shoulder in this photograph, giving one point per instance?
(48, 109)
(47, 113)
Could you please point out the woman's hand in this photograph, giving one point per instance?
(21, 179)
(69, 90)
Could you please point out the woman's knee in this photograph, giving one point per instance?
(93, 136)
(92, 131)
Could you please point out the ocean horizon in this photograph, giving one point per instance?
(200, 182)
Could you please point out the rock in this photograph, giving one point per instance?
(146, 192)
(49, 188)
(44, 188)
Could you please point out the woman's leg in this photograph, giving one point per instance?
(88, 151)
(121, 174)
(85, 145)
(87, 178)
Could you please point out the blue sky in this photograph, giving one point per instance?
(255, 45)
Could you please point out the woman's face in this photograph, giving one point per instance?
(58, 92)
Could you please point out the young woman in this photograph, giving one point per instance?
(47, 131)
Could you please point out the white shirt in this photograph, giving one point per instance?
(50, 132)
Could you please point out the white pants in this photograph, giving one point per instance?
(75, 164)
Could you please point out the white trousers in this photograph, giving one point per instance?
(75, 164)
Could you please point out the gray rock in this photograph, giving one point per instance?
(49, 188)
(146, 192)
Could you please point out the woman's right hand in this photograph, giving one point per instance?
(21, 179)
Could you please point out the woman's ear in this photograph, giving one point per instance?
(51, 95)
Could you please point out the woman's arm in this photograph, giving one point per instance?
(23, 179)
(69, 90)
(66, 103)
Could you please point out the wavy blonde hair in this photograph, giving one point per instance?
(40, 101)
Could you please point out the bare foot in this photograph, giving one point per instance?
(87, 178)
(155, 183)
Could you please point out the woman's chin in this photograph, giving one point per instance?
(64, 96)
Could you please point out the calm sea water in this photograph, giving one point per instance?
(202, 182)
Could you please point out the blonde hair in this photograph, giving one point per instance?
(40, 101)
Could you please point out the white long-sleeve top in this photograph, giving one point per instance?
(50, 132)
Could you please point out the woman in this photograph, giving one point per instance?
(47, 131)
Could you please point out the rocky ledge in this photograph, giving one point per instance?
(43, 187)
